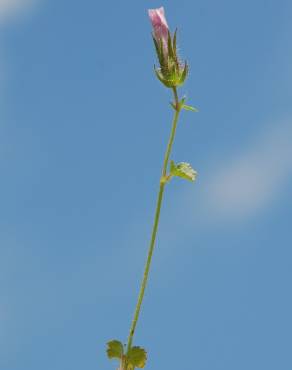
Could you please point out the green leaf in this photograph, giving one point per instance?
(115, 349)
(180, 104)
(183, 170)
(137, 357)
(190, 108)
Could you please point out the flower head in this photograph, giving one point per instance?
(172, 71)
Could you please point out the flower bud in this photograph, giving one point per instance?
(172, 71)
(160, 27)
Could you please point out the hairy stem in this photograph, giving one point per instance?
(156, 221)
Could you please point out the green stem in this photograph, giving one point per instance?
(172, 135)
(156, 222)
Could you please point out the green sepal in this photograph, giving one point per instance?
(189, 107)
(166, 81)
(170, 50)
(183, 170)
(184, 74)
(174, 45)
(162, 61)
(115, 349)
(137, 357)
(158, 51)
(160, 77)
(174, 40)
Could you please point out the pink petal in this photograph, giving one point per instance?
(159, 24)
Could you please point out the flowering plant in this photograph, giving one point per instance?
(172, 73)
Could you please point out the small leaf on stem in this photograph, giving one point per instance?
(115, 349)
(190, 108)
(183, 170)
(137, 357)
(180, 106)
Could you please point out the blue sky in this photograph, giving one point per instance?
(83, 127)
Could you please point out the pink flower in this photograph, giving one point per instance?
(159, 24)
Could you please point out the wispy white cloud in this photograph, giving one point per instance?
(10, 9)
(254, 177)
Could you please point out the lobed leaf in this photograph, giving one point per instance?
(115, 349)
(137, 357)
(183, 170)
